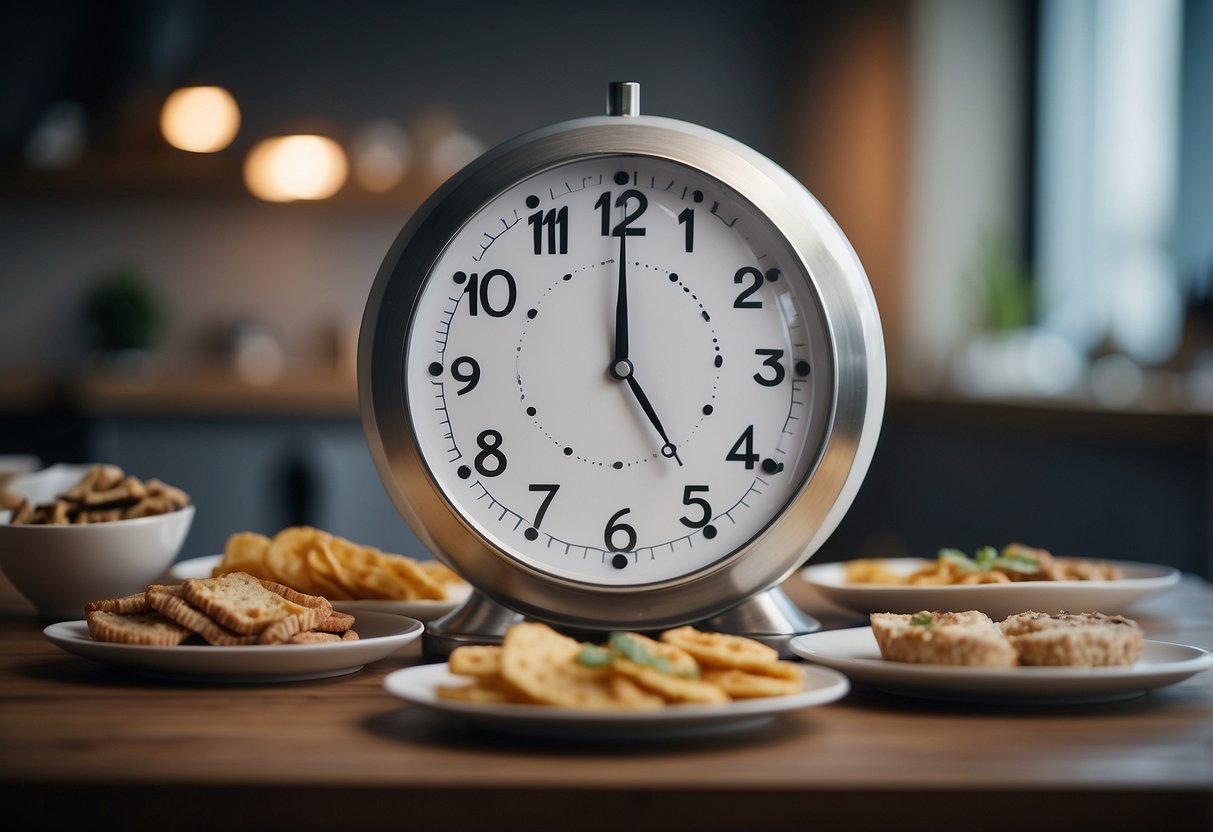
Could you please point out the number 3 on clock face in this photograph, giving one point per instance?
(618, 372)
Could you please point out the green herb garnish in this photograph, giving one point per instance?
(630, 648)
(923, 619)
(592, 655)
(987, 558)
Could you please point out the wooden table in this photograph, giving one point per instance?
(85, 746)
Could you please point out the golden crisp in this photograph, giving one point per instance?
(721, 649)
(538, 666)
(319, 563)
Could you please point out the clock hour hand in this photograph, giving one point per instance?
(669, 449)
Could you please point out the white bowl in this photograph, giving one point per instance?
(61, 568)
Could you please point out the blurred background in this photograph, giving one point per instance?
(195, 198)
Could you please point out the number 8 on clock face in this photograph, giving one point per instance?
(621, 371)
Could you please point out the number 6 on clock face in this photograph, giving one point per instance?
(591, 376)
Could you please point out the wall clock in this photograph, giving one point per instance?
(622, 372)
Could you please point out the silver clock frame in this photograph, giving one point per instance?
(737, 593)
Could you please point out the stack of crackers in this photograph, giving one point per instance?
(104, 494)
(235, 609)
(536, 665)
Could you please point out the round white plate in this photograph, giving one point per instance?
(380, 635)
(995, 600)
(421, 610)
(855, 653)
(418, 686)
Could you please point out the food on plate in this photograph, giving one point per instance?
(135, 628)
(535, 665)
(956, 638)
(105, 493)
(988, 565)
(971, 639)
(314, 561)
(231, 610)
(1089, 639)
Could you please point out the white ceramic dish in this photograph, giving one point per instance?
(418, 686)
(61, 568)
(855, 653)
(421, 610)
(995, 600)
(380, 635)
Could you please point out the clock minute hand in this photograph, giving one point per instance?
(621, 310)
(669, 449)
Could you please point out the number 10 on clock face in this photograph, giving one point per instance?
(619, 372)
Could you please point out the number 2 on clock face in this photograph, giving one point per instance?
(617, 371)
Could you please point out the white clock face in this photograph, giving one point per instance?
(618, 372)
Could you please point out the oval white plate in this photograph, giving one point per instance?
(421, 610)
(418, 686)
(855, 652)
(995, 600)
(380, 635)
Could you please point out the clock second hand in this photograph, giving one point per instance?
(621, 366)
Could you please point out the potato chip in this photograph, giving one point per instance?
(668, 686)
(541, 663)
(721, 649)
(481, 660)
(316, 562)
(411, 573)
(244, 552)
(739, 684)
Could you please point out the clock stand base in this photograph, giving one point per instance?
(769, 617)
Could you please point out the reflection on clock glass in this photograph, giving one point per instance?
(619, 372)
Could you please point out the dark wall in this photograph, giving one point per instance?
(1079, 484)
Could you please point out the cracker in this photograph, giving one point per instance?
(127, 490)
(281, 630)
(314, 637)
(337, 622)
(243, 604)
(142, 628)
(178, 609)
(126, 605)
(22, 514)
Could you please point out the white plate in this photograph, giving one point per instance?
(995, 600)
(855, 653)
(421, 610)
(380, 635)
(418, 685)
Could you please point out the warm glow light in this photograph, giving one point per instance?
(200, 119)
(287, 168)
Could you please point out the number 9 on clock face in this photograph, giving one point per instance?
(618, 372)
